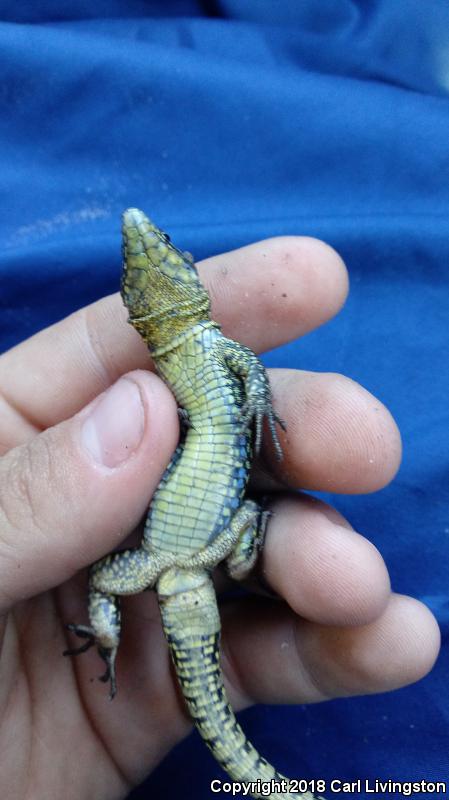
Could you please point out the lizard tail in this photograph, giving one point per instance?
(192, 627)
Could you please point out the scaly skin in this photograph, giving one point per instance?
(198, 516)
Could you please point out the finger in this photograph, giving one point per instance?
(315, 662)
(72, 493)
(325, 571)
(293, 283)
(276, 290)
(339, 437)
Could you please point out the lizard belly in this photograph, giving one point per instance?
(205, 487)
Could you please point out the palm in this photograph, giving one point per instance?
(113, 740)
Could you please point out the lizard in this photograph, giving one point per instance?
(199, 515)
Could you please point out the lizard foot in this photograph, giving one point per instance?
(256, 410)
(243, 557)
(104, 632)
(84, 632)
(108, 655)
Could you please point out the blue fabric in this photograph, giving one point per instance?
(230, 121)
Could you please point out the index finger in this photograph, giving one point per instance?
(264, 295)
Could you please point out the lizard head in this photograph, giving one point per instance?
(160, 284)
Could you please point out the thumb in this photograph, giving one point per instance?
(72, 493)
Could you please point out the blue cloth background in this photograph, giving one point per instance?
(230, 121)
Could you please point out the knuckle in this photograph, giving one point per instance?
(27, 477)
(25, 485)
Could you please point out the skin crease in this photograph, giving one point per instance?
(332, 627)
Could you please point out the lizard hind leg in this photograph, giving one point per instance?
(128, 572)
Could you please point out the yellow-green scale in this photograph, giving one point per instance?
(208, 480)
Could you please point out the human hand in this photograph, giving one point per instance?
(78, 472)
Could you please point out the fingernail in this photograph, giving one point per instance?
(114, 428)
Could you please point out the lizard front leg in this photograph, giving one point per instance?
(128, 572)
(258, 403)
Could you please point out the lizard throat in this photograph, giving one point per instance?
(186, 334)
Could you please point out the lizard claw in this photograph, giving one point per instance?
(184, 421)
(84, 632)
(108, 655)
(257, 411)
(272, 419)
